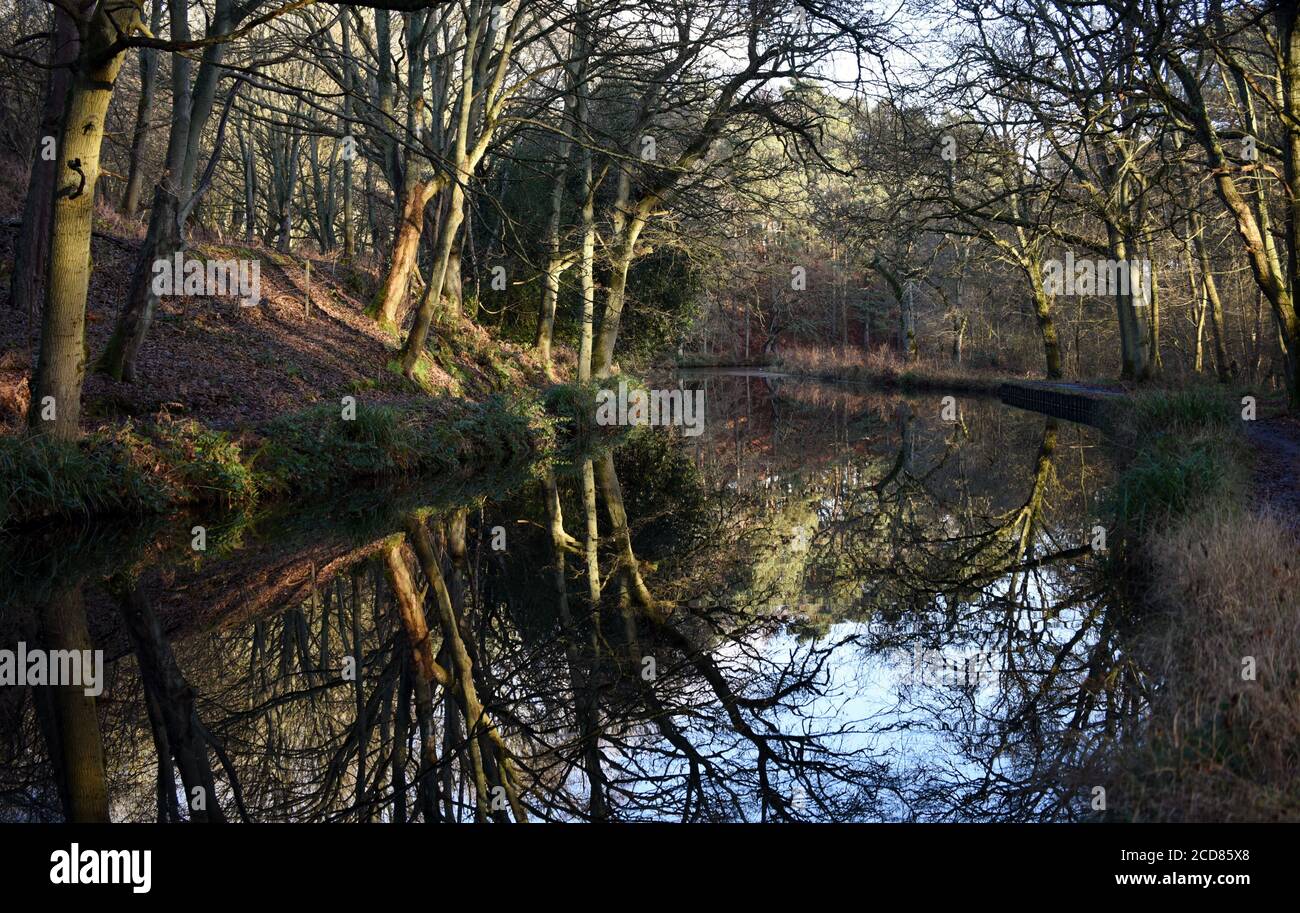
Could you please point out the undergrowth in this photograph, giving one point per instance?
(151, 468)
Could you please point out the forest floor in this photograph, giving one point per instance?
(244, 404)
(230, 366)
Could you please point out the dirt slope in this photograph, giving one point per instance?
(229, 365)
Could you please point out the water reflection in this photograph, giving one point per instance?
(834, 605)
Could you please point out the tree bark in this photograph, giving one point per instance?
(191, 107)
(389, 303)
(32, 244)
(1210, 290)
(61, 365)
(448, 231)
(148, 75)
(79, 760)
(555, 264)
(1046, 325)
(587, 258)
(615, 295)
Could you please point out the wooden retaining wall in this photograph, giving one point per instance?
(1075, 402)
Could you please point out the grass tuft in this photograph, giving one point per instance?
(1187, 453)
(128, 469)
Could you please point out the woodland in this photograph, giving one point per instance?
(310, 309)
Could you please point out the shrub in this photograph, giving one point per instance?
(573, 407)
(207, 464)
(154, 468)
(317, 449)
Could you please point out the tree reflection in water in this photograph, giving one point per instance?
(759, 624)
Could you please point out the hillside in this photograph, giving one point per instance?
(229, 366)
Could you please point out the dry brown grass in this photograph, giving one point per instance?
(1217, 746)
(883, 368)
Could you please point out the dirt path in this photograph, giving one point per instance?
(1277, 465)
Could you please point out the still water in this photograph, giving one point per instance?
(833, 605)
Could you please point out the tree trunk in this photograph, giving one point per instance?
(1153, 323)
(1287, 18)
(555, 264)
(1046, 325)
(433, 292)
(1199, 309)
(587, 261)
(614, 297)
(1259, 248)
(32, 244)
(1135, 340)
(79, 756)
(148, 75)
(1215, 305)
(60, 368)
(284, 235)
(191, 107)
(349, 233)
(389, 303)
(250, 192)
